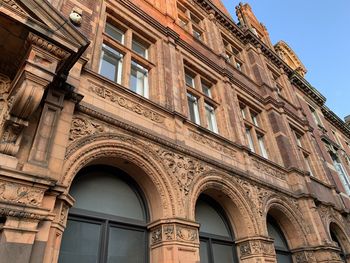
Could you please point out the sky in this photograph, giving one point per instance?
(318, 31)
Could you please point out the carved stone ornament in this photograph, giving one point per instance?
(63, 214)
(268, 170)
(212, 143)
(47, 46)
(183, 168)
(126, 103)
(156, 235)
(19, 194)
(5, 83)
(20, 214)
(256, 247)
(304, 257)
(174, 231)
(82, 126)
(186, 234)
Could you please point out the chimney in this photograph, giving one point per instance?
(347, 121)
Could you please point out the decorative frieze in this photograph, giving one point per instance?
(24, 195)
(174, 232)
(304, 257)
(268, 170)
(47, 46)
(127, 103)
(256, 247)
(210, 142)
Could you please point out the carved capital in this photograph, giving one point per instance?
(174, 231)
(256, 247)
(5, 83)
(304, 257)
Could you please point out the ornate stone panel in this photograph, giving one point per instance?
(174, 232)
(126, 103)
(304, 257)
(256, 247)
(20, 194)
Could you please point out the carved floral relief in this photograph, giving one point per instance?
(19, 194)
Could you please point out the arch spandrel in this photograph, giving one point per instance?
(230, 195)
(290, 220)
(124, 152)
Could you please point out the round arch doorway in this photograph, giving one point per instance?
(107, 223)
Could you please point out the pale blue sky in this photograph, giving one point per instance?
(319, 33)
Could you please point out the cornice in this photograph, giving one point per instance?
(335, 120)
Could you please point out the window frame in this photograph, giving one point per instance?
(204, 90)
(130, 54)
(254, 133)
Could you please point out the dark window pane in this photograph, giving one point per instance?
(275, 233)
(139, 48)
(126, 245)
(80, 242)
(203, 252)
(114, 32)
(223, 253)
(210, 220)
(106, 193)
(283, 258)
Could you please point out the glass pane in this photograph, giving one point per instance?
(210, 220)
(189, 80)
(206, 89)
(106, 193)
(193, 108)
(250, 139)
(262, 146)
(138, 79)
(110, 65)
(210, 113)
(114, 32)
(139, 48)
(279, 240)
(80, 242)
(203, 252)
(126, 245)
(223, 253)
(283, 258)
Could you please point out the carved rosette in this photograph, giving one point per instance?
(256, 247)
(174, 232)
(19, 194)
(268, 170)
(184, 169)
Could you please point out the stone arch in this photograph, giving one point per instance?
(130, 155)
(339, 230)
(224, 190)
(289, 219)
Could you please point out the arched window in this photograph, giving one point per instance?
(107, 222)
(336, 240)
(281, 247)
(216, 240)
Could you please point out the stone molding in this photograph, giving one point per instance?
(47, 46)
(268, 170)
(126, 103)
(304, 257)
(212, 143)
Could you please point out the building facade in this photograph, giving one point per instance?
(163, 132)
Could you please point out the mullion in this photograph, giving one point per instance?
(104, 242)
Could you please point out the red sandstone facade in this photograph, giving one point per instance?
(190, 112)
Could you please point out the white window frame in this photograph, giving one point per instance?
(145, 91)
(211, 119)
(194, 101)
